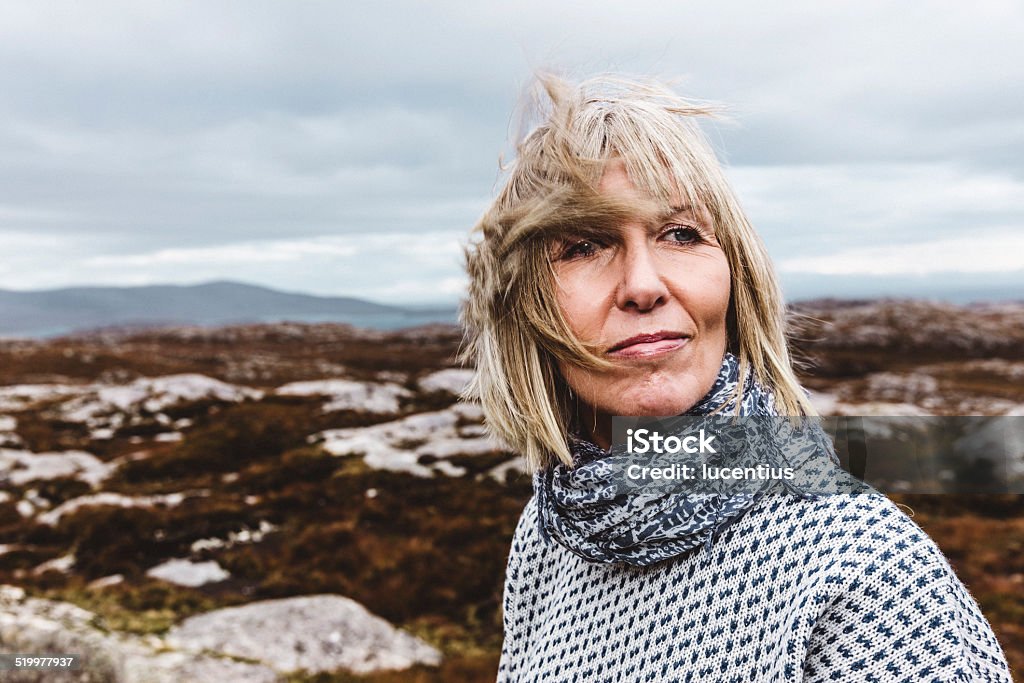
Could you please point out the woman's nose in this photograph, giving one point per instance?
(641, 286)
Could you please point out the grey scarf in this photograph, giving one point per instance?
(590, 510)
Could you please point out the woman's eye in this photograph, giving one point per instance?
(684, 234)
(578, 249)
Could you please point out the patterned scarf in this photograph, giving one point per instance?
(590, 510)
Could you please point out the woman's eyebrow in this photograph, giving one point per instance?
(674, 211)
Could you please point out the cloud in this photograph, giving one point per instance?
(992, 253)
(243, 252)
(821, 209)
(209, 140)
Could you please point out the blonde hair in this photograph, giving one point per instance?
(515, 332)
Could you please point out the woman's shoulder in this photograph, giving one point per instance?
(895, 587)
(527, 533)
(866, 524)
(862, 544)
(527, 550)
(880, 539)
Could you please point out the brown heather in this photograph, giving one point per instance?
(426, 554)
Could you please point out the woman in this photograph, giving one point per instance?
(616, 275)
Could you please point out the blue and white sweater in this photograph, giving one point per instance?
(847, 588)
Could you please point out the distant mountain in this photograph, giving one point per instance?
(53, 312)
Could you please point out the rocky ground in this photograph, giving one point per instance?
(311, 502)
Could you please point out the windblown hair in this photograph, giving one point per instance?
(515, 332)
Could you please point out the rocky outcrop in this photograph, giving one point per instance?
(184, 572)
(449, 380)
(258, 643)
(32, 625)
(312, 633)
(419, 444)
(344, 394)
(20, 467)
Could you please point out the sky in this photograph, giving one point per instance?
(347, 148)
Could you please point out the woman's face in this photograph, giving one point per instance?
(670, 281)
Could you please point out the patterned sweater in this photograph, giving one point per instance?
(847, 588)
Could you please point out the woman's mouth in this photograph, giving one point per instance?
(650, 349)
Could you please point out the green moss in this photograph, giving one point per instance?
(142, 607)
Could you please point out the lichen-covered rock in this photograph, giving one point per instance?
(99, 403)
(32, 625)
(418, 444)
(20, 467)
(449, 380)
(53, 516)
(344, 394)
(315, 633)
(184, 572)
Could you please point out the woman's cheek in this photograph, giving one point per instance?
(581, 302)
(704, 287)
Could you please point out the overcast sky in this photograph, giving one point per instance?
(348, 147)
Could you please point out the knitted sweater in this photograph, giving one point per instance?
(847, 588)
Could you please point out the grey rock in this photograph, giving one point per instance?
(33, 625)
(185, 572)
(315, 633)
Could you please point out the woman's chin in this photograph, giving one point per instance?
(657, 408)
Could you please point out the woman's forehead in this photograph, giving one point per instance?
(655, 210)
(674, 195)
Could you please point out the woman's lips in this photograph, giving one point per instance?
(648, 349)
